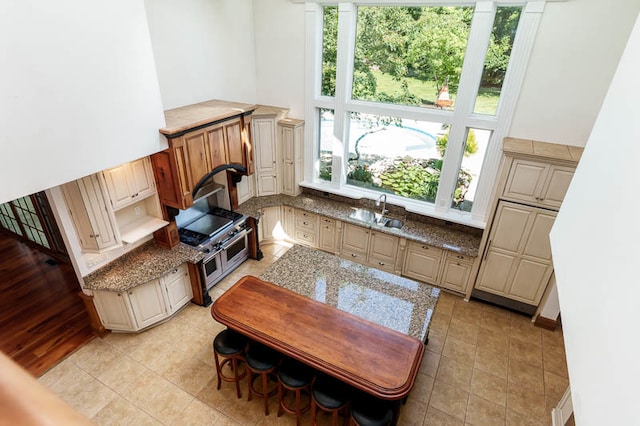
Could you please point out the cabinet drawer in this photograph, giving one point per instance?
(325, 221)
(306, 224)
(422, 262)
(354, 256)
(382, 265)
(306, 237)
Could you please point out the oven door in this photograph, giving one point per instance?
(235, 251)
(212, 269)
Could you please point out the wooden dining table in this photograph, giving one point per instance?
(375, 359)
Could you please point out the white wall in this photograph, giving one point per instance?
(279, 40)
(203, 50)
(576, 52)
(78, 91)
(595, 251)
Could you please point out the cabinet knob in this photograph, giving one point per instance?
(119, 294)
(381, 263)
(425, 247)
(353, 255)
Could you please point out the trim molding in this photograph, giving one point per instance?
(545, 323)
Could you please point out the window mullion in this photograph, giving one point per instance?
(313, 73)
(473, 65)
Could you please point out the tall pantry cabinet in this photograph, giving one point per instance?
(516, 255)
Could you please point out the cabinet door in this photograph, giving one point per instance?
(517, 262)
(217, 145)
(422, 262)
(177, 284)
(264, 137)
(526, 180)
(114, 311)
(169, 169)
(456, 272)
(289, 221)
(327, 235)
(129, 182)
(197, 151)
(141, 174)
(148, 303)
(235, 144)
(556, 185)
(355, 243)
(245, 189)
(271, 224)
(117, 182)
(247, 143)
(382, 250)
(291, 142)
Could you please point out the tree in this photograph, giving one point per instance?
(470, 148)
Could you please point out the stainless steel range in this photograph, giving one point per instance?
(220, 233)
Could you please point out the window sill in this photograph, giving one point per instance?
(417, 207)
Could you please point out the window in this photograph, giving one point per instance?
(412, 100)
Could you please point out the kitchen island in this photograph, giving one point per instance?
(386, 299)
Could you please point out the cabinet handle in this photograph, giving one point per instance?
(130, 292)
(381, 263)
(354, 255)
(486, 251)
(460, 257)
(174, 271)
(119, 294)
(94, 235)
(425, 247)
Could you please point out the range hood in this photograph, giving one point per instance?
(206, 186)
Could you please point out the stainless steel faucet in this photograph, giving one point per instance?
(382, 197)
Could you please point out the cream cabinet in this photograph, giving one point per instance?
(456, 272)
(266, 155)
(306, 228)
(422, 262)
(329, 234)
(382, 252)
(114, 310)
(93, 221)
(270, 227)
(177, 285)
(517, 262)
(146, 304)
(538, 183)
(355, 243)
(129, 182)
(291, 132)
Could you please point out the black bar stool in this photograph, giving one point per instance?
(294, 377)
(367, 410)
(329, 395)
(262, 363)
(230, 345)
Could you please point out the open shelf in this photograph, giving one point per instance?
(140, 228)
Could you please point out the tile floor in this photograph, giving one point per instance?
(483, 366)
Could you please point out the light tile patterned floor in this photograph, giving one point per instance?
(483, 366)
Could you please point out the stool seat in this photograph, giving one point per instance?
(295, 375)
(370, 411)
(260, 357)
(330, 395)
(229, 342)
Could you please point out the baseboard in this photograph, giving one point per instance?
(546, 323)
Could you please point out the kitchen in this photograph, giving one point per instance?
(289, 91)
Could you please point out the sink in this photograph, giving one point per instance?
(394, 223)
(363, 215)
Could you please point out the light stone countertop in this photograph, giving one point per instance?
(139, 266)
(386, 299)
(424, 233)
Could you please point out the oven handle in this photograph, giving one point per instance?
(235, 239)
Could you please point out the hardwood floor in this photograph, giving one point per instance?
(42, 319)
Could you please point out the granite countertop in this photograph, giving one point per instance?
(139, 266)
(433, 235)
(398, 303)
(187, 117)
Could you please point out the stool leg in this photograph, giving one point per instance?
(234, 364)
(313, 411)
(218, 369)
(265, 390)
(250, 385)
(280, 398)
(298, 408)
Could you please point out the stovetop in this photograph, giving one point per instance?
(210, 229)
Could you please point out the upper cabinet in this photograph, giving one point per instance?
(201, 137)
(129, 182)
(536, 182)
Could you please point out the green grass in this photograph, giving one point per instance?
(486, 102)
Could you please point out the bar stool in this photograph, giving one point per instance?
(230, 345)
(294, 377)
(331, 396)
(367, 410)
(261, 363)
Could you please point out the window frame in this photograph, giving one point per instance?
(461, 118)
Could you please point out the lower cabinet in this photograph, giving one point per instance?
(270, 228)
(456, 272)
(306, 228)
(146, 304)
(369, 247)
(328, 234)
(422, 262)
